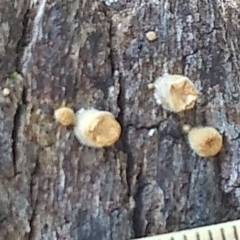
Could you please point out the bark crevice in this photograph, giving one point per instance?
(22, 43)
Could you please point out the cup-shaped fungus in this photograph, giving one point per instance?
(65, 116)
(151, 36)
(6, 92)
(205, 141)
(175, 93)
(96, 128)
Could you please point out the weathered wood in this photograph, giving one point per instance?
(95, 54)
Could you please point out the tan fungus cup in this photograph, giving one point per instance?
(65, 116)
(205, 141)
(96, 128)
(175, 93)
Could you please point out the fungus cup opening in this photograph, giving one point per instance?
(151, 36)
(96, 128)
(65, 116)
(205, 141)
(175, 93)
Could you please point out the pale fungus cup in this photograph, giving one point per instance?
(187, 128)
(175, 93)
(151, 36)
(96, 128)
(205, 141)
(6, 92)
(65, 116)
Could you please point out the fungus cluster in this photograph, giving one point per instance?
(92, 127)
(175, 93)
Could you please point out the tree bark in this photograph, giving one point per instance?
(95, 54)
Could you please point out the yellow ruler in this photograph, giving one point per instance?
(223, 231)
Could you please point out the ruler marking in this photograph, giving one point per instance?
(235, 232)
(210, 235)
(223, 234)
(221, 231)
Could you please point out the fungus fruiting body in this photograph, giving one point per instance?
(6, 92)
(65, 116)
(187, 128)
(96, 128)
(175, 93)
(150, 86)
(205, 141)
(151, 36)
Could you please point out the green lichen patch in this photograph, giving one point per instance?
(13, 75)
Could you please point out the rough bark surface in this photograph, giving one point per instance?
(95, 54)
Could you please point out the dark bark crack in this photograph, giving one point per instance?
(34, 200)
(33, 225)
(16, 129)
(16, 124)
(123, 143)
(125, 147)
(22, 43)
(143, 127)
(22, 101)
